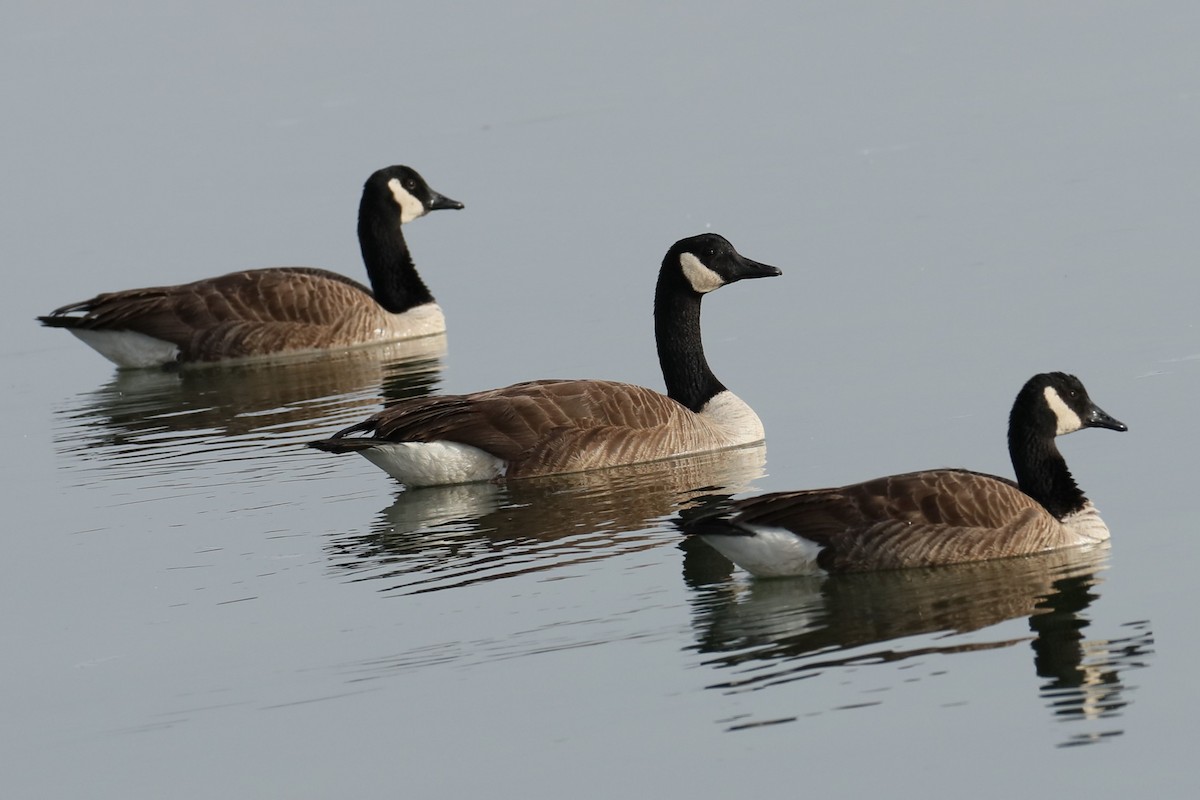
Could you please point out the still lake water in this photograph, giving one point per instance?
(959, 197)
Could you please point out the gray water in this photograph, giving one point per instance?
(959, 195)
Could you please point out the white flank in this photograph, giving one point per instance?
(128, 348)
(410, 207)
(435, 463)
(736, 420)
(702, 279)
(1068, 420)
(1086, 526)
(769, 552)
(423, 320)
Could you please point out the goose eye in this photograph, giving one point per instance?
(410, 184)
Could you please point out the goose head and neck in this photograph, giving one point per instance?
(692, 268)
(391, 197)
(1049, 405)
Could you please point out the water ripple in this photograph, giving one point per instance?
(437, 538)
(760, 635)
(152, 424)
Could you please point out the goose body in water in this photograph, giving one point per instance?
(922, 519)
(264, 313)
(559, 426)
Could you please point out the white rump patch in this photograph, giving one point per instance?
(1068, 420)
(410, 207)
(736, 420)
(769, 552)
(702, 279)
(128, 349)
(435, 463)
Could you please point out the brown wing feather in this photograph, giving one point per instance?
(545, 427)
(246, 313)
(916, 519)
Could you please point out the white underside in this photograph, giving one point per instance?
(736, 420)
(769, 552)
(128, 348)
(443, 463)
(133, 350)
(435, 463)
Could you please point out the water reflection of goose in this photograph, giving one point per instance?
(762, 634)
(437, 537)
(147, 415)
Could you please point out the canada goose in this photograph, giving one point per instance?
(555, 426)
(265, 312)
(922, 519)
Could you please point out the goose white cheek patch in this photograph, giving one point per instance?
(410, 207)
(701, 278)
(1068, 420)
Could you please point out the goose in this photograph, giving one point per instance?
(548, 427)
(283, 310)
(930, 518)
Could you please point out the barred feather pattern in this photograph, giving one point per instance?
(555, 426)
(253, 313)
(912, 520)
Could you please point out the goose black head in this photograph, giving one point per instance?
(709, 261)
(1059, 404)
(404, 188)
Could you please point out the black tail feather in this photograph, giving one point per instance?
(711, 517)
(338, 443)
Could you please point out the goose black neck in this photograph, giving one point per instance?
(394, 278)
(1042, 472)
(680, 350)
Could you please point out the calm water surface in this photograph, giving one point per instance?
(959, 197)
